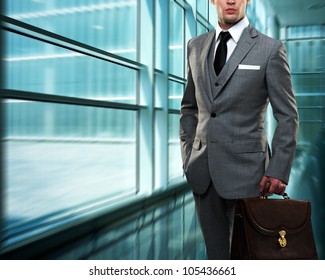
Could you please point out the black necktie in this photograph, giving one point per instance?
(221, 53)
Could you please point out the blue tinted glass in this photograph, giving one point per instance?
(305, 48)
(200, 28)
(99, 23)
(202, 8)
(175, 170)
(175, 92)
(176, 39)
(62, 158)
(35, 66)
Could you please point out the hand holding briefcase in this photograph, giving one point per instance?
(273, 229)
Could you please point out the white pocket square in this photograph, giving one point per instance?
(249, 67)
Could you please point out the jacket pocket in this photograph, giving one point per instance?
(250, 146)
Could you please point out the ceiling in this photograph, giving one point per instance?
(299, 12)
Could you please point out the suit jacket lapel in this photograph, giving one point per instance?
(245, 44)
(206, 44)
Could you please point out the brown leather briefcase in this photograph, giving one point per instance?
(273, 229)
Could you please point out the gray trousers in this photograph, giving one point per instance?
(216, 218)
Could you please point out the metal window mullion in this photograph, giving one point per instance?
(160, 91)
(41, 97)
(36, 33)
(137, 129)
(146, 90)
(2, 133)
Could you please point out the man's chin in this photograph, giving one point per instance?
(231, 20)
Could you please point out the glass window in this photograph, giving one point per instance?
(175, 92)
(161, 35)
(305, 48)
(306, 58)
(35, 66)
(175, 170)
(310, 83)
(307, 32)
(176, 39)
(250, 12)
(200, 28)
(64, 158)
(305, 55)
(202, 8)
(99, 23)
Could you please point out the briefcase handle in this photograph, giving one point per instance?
(264, 194)
(285, 196)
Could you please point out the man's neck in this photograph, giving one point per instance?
(226, 26)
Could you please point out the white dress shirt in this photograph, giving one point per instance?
(235, 32)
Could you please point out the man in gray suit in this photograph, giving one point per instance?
(222, 124)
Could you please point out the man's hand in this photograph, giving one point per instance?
(269, 185)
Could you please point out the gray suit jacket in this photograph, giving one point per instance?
(222, 122)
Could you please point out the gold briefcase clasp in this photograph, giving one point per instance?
(282, 240)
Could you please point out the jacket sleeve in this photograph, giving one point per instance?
(285, 112)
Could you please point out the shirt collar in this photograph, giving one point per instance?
(236, 30)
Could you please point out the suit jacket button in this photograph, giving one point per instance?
(216, 84)
(213, 115)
